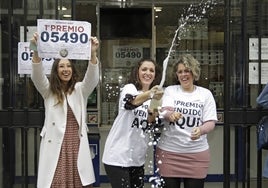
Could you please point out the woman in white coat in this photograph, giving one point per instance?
(65, 160)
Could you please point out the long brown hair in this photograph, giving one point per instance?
(134, 78)
(56, 85)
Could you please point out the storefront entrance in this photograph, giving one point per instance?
(226, 39)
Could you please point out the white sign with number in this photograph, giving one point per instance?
(124, 56)
(25, 59)
(64, 39)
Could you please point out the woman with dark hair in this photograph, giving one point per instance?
(126, 145)
(56, 81)
(64, 159)
(182, 153)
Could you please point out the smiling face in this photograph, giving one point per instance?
(65, 70)
(185, 77)
(146, 74)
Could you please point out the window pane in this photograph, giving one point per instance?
(202, 36)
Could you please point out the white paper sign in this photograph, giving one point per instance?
(124, 56)
(254, 49)
(64, 39)
(29, 32)
(254, 73)
(25, 60)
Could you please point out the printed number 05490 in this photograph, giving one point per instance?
(65, 37)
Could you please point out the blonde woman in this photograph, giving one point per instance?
(182, 152)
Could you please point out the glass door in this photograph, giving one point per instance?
(126, 37)
(246, 33)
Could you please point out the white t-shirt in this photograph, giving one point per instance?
(196, 107)
(127, 142)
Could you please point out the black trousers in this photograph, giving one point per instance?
(125, 177)
(170, 182)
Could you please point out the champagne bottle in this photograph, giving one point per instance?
(156, 102)
(155, 105)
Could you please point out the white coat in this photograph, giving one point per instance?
(55, 124)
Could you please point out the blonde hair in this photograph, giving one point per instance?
(191, 63)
